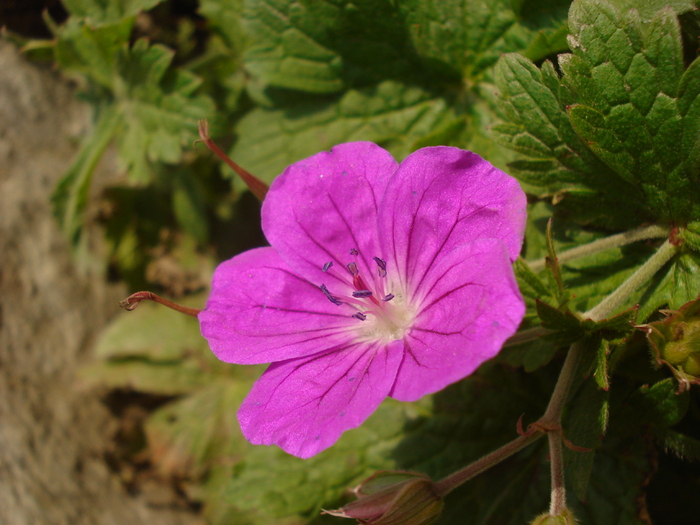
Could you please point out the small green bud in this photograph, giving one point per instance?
(675, 342)
(565, 517)
(394, 498)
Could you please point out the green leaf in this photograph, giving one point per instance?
(683, 446)
(648, 8)
(326, 47)
(391, 114)
(621, 470)
(626, 96)
(224, 16)
(97, 12)
(586, 424)
(534, 103)
(275, 484)
(469, 36)
(139, 375)
(188, 436)
(70, 198)
(91, 52)
(676, 284)
(189, 206)
(567, 326)
(660, 405)
(531, 286)
(629, 74)
(160, 108)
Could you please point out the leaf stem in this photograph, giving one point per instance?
(635, 281)
(648, 232)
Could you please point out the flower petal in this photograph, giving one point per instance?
(322, 207)
(471, 307)
(442, 197)
(260, 311)
(304, 405)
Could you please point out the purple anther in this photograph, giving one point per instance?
(382, 266)
(388, 297)
(330, 297)
(362, 293)
(353, 268)
(327, 266)
(360, 316)
(353, 251)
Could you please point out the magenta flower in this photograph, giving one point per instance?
(382, 280)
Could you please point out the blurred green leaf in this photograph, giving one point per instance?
(91, 51)
(70, 198)
(100, 12)
(391, 114)
(152, 332)
(190, 435)
(159, 105)
(140, 375)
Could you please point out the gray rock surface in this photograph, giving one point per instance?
(52, 434)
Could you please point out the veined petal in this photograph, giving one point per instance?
(304, 405)
(260, 311)
(442, 197)
(322, 207)
(471, 306)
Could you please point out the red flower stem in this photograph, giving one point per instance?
(134, 300)
(454, 480)
(255, 185)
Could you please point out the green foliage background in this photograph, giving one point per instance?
(594, 106)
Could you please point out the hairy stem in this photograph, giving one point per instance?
(255, 185)
(600, 245)
(556, 461)
(635, 281)
(454, 480)
(135, 299)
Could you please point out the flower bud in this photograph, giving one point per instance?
(394, 498)
(565, 517)
(675, 342)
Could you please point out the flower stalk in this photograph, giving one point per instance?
(255, 185)
(454, 480)
(550, 422)
(131, 302)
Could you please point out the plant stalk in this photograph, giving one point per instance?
(600, 245)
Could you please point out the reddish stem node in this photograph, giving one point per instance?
(131, 302)
(258, 187)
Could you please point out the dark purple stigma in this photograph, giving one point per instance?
(360, 316)
(330, 297)
(361, 293)
(327, 266)
(353, 251)
(388, 297)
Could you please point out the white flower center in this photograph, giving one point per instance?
(382, 314)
